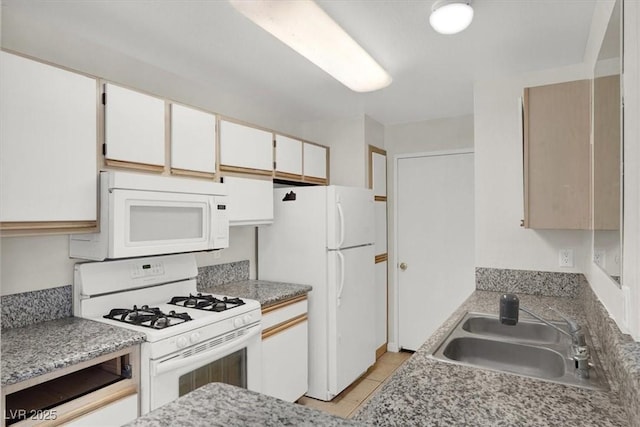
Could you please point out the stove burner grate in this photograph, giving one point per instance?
(150, 317)
(206, 302)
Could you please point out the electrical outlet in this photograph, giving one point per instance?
(566, 257)
(599, 257)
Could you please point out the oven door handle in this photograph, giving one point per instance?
(159, 368)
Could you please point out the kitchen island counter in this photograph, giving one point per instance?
(428, 392)
(218, 404)
(37, 349)
(266, 292)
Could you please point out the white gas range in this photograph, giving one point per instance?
(191, 339)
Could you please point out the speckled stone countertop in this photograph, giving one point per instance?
(219, 404)
(267, 293)
(427, 392)
(40, 348)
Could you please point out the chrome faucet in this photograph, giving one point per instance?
(509, 311)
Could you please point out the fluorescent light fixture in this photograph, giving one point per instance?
(308, 30)
(451, 16)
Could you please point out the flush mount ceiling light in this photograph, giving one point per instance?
(451, 16)
(308, 30)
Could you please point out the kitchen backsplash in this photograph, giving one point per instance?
(622, 354)
(220, 274)
(552, 284)
(32, 307)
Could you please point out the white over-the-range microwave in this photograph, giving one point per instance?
(143, 214)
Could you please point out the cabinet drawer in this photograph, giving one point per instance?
(277, 314)
(117, 413)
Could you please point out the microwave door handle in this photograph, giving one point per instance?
(212, 236)
(159, 368)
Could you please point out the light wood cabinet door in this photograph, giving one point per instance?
(193, 140)
(250, 201)
(557, 162)
(48, 167)
(245, 149)
(315, 162)
(134, 127)
(288, 157)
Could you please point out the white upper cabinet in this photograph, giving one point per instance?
(48, 140)
(250, 201)
(288, 156)
(315, 161)
(193, 137)
(134, 126)
(379, 173)
(245, 148)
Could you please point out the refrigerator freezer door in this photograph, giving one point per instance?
(351, 336)
(350, 217)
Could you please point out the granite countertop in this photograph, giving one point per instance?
(218, 404)
(267, 293)
(428, 392)
(40, 348)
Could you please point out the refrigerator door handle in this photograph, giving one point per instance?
(341, 216)
(341, 285)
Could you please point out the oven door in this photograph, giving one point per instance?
(149, 223)
(228, 358)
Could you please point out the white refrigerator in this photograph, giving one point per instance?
(323, 237)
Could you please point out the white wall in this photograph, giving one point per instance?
(500, 240)
(631, 230)
(373, 135)
(616, 300)
(41, 262)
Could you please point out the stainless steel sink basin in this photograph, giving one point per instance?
(530, 349)
(522, 359)
(524, 331)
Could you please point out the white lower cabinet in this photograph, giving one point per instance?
(285, 351)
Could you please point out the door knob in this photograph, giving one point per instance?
(403, 266)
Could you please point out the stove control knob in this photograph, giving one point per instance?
(194, 337)
(237, 322)
(181, 342)
(247, 319)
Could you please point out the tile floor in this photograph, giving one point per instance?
(349, 401)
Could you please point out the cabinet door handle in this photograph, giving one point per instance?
(403, 266)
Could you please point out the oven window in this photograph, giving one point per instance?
(231, 369)
(156, 223)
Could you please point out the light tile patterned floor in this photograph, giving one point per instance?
(347, 403)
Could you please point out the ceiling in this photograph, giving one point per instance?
(433, 74)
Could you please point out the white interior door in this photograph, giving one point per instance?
(435, 249)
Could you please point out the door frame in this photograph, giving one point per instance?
(394, 344)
